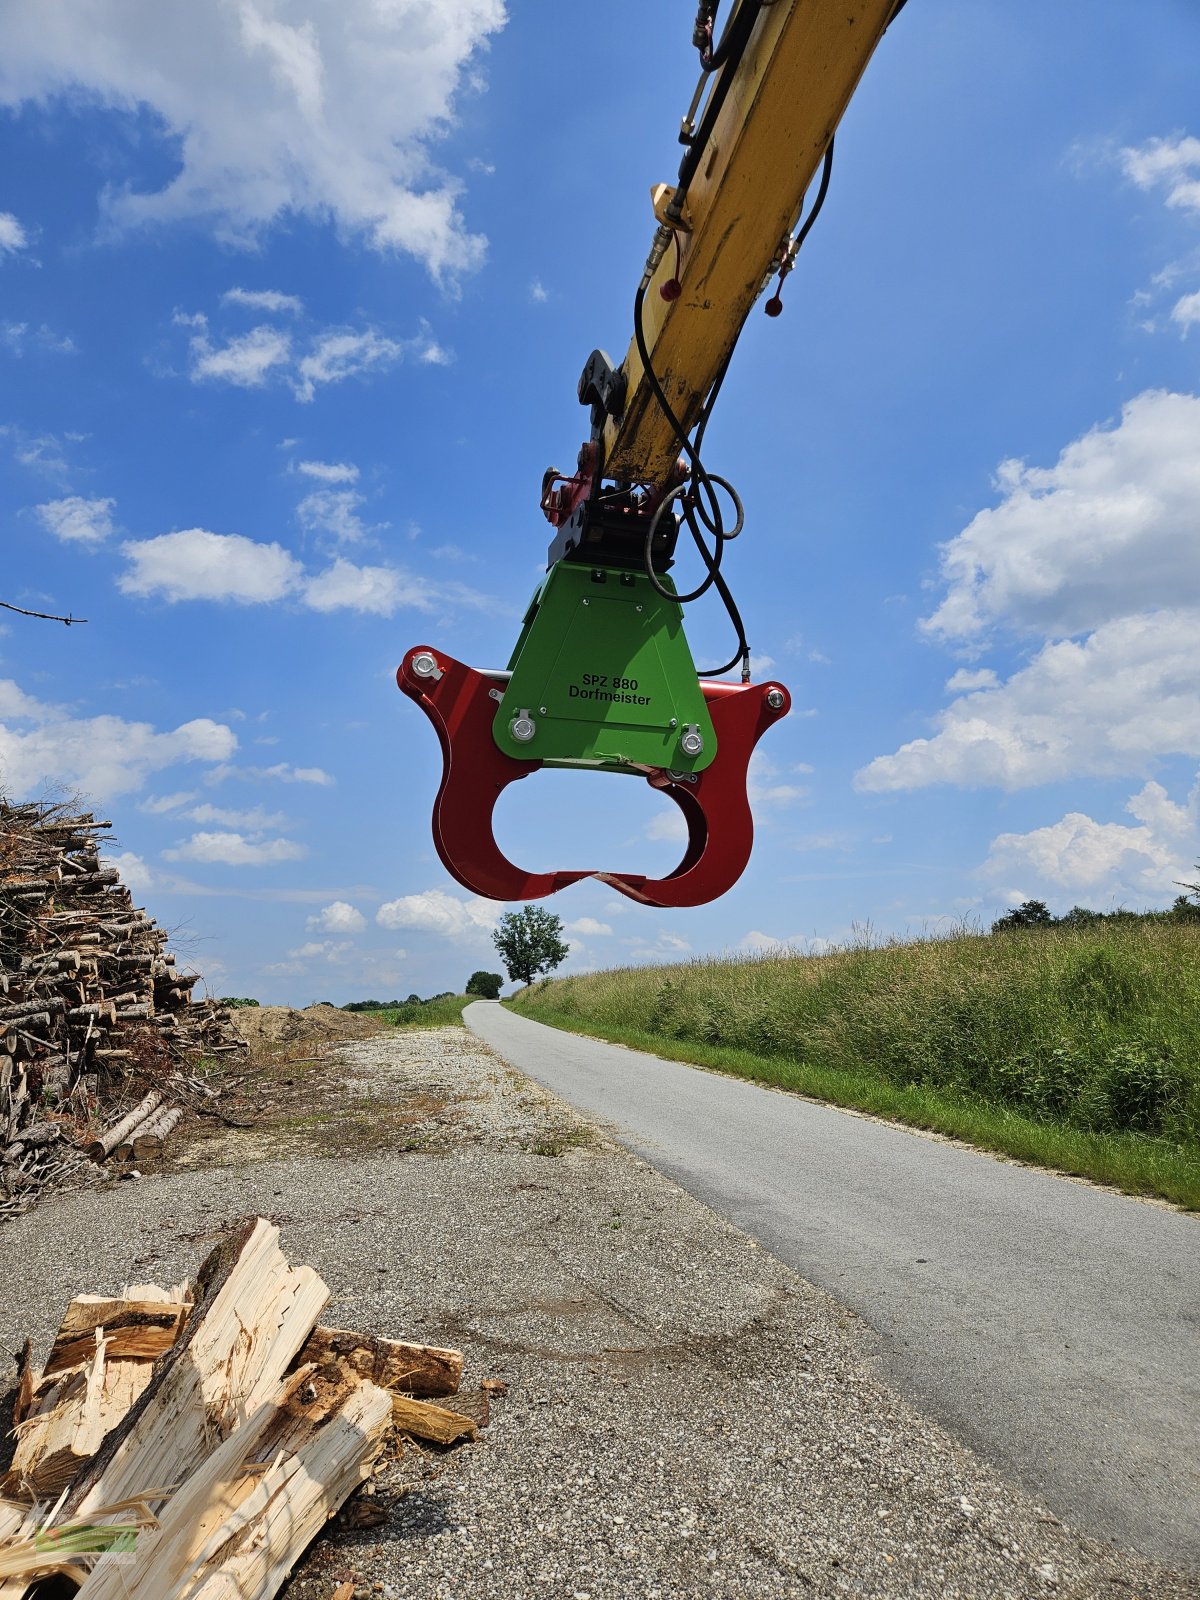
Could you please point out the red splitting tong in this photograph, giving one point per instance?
(461, 704)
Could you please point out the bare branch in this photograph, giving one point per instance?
(46, 616)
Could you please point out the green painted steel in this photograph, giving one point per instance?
(602, 675)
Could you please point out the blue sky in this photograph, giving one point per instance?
(293, 299)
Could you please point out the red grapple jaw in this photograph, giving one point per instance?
(461, 704)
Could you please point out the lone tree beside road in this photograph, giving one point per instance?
(530, 943)
(485, 984)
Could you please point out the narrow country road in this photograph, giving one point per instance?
(1054, 1326)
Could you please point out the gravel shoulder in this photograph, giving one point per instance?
(685, 1416)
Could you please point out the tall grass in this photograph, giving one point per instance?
(444, 1011)
(1081, 1043)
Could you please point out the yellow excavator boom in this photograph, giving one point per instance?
(778, 113)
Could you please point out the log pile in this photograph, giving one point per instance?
(196, 1439)
(90, 998)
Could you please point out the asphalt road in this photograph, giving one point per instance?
(1055, 1327)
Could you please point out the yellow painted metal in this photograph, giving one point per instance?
(801, 66)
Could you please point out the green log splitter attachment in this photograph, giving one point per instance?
(601, 680)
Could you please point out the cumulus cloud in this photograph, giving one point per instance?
(329, 115)
(77, 521)
(236, 850)
(667, 826)
(328, 471)
(136, 874)
(766, 787)
(103, 756)
(256, 819)
(1098, 555)
(1186, 311)
(341, 353)
(1111, 862)
(198, 565)
(281, 772)
(966, 679)
(333, 511)
(435, 911)
(1106, 706)
(338, 917)
(269, 300)
(331, 355)
(588, 928)
(245, 361)
(1109, 529)
(1171, 165)
(378, 590)
(158, 805)
(12, 235)
(19, 337)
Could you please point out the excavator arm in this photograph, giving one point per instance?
(602, 678)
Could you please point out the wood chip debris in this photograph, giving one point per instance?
(191, 1441)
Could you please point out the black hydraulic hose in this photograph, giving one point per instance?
(822, 191)
(737, 34)
(718, 57)
(704, 482)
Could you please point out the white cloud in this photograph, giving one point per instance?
(663, 944)
(330, 116)
(340, 353)
(197, 565)
(269, 300)
(102, 756)
(1170, 164)
(756, 941)
(588, 927)
(19, 336)
(235, 850)
(764, 786)
(250, 360)
(1186, 310)
(378, 590)
(333, 511)
(76, 520)
(12, 235)
(338, 917)
(965, 680)
(435, 911)
(1105, 706)
(538, 292)
(1110, 529)
(136, 875)
(256, 820)
(245, 361)
(667, 826)
(329, 471)
(282, 771)
(157, 805)
(1111, 862)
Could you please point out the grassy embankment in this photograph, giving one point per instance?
(1073, 1049)
(443, 1012)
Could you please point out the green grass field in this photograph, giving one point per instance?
(445, 1011)
(1073, 1048)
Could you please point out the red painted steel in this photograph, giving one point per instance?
(459, 702)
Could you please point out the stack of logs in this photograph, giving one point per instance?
(202, 1435)
(89, 994)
